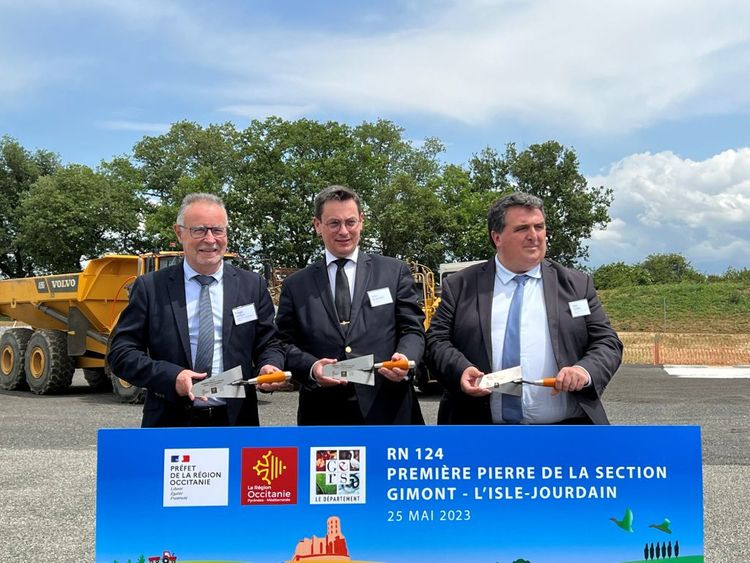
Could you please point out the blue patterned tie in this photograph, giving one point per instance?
(512, 410)
(204, 354)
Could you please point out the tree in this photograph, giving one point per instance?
(466, 197)
(670, 268)
(620, 274)
(572, 207)
(19, 169)
(73, 214)
(188, 158)
(282, 166)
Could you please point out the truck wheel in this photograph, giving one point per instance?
(49, 369)
(125, 392)
(97, 379)
(12, 351)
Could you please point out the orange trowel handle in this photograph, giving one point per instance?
(401, 364)
(273, 377)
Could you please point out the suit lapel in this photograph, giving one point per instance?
(176, 290)
(485, 289)
(549, 285)
(320, 275)
(231, 294)
(361, 283)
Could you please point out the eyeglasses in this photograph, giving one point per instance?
(334, 225)
(201, 231)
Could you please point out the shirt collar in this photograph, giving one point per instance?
(190, 273)
(505, 275)
(353, 256)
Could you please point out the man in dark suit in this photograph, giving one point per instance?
(521, 309)
(347, 305)
(199, 317)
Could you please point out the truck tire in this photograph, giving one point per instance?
(12, 352)
(49, 369)
(125, 392)
(97, 379)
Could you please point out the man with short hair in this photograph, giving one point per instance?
(347, 305)
(194, 319)
(520, 309)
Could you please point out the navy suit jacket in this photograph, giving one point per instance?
(151, 342)
(460, 336)
(308, 323)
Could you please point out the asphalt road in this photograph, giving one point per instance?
(48, 457)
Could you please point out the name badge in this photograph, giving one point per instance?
(579, 308)
(380, 296)
(244, 314)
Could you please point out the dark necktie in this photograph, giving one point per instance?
(204, 354)
(512, 410)
(342, 297)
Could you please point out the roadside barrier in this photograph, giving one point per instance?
(657, 348)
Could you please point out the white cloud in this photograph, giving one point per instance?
(665, 204)
(587, 66)
(596, 67)
(262, 111)
(139, 126)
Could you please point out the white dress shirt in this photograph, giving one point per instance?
(537, 358)
(350, 269)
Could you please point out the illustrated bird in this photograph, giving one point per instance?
(664, 526)
(627, 521)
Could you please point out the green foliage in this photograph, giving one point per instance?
(73, 214)
(549, 171)
(719, 308)
(415, 206)
(670, 268)
(19, 169)
(620, 274)
(732, 274)
(141, 559)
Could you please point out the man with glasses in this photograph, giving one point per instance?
(347, 305)
(194, 319)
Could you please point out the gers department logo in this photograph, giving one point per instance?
(269, 476)
(337, 475)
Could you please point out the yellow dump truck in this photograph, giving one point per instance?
(69, 320)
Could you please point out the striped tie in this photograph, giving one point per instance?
(204, 355)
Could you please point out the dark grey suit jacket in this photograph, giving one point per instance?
(308, 323)
(460, 336)
(151, 343)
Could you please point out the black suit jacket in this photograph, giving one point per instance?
(308, 323)
(151, 343)
(460, 336)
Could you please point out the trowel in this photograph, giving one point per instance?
(510, 380)
(362, 369)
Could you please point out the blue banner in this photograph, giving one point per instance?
(541, 494)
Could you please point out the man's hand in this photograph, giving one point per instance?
(323, 381)
(271, 387)
(569, 379)
(469, 382)
(396, 374)
(184, 383)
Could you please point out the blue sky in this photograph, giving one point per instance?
(653, 96)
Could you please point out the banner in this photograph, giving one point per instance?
(397, 494)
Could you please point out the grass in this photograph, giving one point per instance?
(714, 308)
